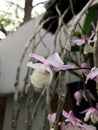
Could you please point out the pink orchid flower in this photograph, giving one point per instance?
(92, 75)
(78, 95)
(70, 117)
(54, 62)
(91, 113)
(85, 40)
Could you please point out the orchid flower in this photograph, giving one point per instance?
(42, 75)
(54, 62)
(72, 121)
(70, 117)
(78, 95)
(91, 113)
(86, 40)
(93, 74)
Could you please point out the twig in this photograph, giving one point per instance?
(29, 108)
(15, 112)
(60, 22)
(37, 104)
(45, 124)
(48, 99)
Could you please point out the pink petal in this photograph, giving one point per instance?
(39, 58)
(71, 117)
(65, 67)
(64, 113)
(78, 42)
(93, 73)
(85, 71)
(51, 117)
(78, 95)
(55, 60)
(84, 65)
(92, 35)
(63, 126)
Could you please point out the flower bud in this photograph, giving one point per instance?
(78, 95)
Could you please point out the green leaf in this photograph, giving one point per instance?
(75, 48)
(89, 19)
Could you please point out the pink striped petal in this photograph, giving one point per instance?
(39, 58)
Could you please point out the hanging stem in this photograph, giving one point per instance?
(29, 109)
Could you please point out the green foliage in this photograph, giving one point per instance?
(12, 17)
(5, 21)
(89, 19)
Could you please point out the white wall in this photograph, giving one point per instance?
(11, 49)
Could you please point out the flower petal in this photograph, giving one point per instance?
(88, 49)
(78, 42)
(55, 60)
(51, 117)
(38, 57)
(63, 126)
(93, 73)
(65, 114)
(34, 66)
(65, 67)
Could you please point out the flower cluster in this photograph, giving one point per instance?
(42, 76)
(70, 121)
